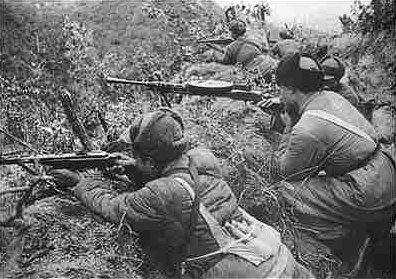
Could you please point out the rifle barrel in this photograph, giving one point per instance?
(224, 41)
(125, 81)
(67, 160)
(166, 86)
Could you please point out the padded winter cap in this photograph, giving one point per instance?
(237, 27)
(158, 135)
(299, 71)
(333, 68)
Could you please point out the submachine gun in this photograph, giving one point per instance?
(214, 88)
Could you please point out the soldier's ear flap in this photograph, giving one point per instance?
(181, 144)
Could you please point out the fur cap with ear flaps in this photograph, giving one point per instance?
(333, 68)
(237, 27)
(299, 71)
(158, 135)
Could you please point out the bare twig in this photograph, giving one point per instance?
(21, 142)
(77, 127)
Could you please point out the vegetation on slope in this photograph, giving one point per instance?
(55, 46)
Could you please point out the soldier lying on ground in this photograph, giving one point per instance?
(249, 50)
(340, 184)
(186, 214)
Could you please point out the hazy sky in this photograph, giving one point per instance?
(322, 14)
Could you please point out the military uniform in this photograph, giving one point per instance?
(338, 178)
(345, 91)
(248, 50)
(334, 70)
(186, 230)
(285, 47)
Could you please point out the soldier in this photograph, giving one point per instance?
(186, 214)
(248, 49)
(286, 46)
(340, 184)
(334, 70)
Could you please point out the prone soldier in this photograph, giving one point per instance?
(248, 50)
(186, 214)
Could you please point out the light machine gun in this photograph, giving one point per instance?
(213, 88)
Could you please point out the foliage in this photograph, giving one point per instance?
(376, 16)
(374, 24)
(51, 47)
(249, 13)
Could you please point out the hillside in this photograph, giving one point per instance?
(55, 46)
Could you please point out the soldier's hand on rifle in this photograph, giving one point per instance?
(64, 178)
(123, 163)
(269, 104)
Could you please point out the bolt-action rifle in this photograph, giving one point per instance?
(31, 191)
(214, 88)
(213, 43)
(73, 161)
(220, 41)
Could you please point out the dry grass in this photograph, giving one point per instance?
(64, 239)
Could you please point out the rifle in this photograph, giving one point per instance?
(212, 43)
(220, 41)
(212, 88)
(215, 47)
(73, 161)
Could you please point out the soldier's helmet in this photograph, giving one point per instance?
(237, 27)
(333, 68)
(158, 135)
